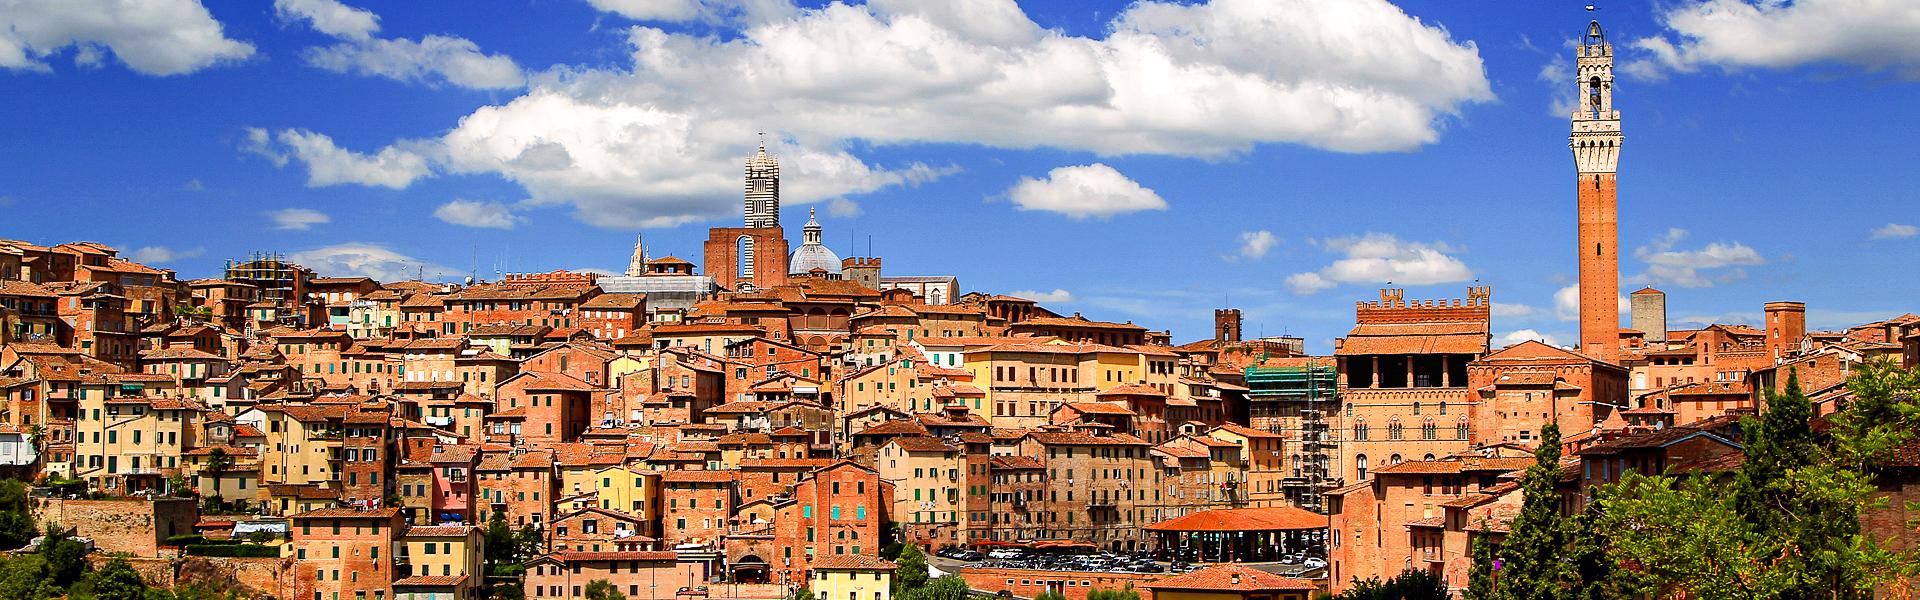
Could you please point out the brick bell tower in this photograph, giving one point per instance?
(1596, 153)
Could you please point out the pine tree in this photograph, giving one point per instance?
(912, 571)
(1480, 579)
(1532, 563)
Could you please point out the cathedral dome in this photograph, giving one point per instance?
(812, 254)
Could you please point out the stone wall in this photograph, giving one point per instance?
(130, 525)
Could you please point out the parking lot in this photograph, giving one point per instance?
(1015, 558)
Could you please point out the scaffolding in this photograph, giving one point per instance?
(1295, 400)
(279, 282)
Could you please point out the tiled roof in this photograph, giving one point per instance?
(1078, 438)
(14, 287)
(614, 556)
(1133, 389)
(696, 476)
(895, 427)
(1244, 519)
(1100, 408)
(1246, 431)
(852, 562)
(1456, 465)
(624, 301)
(438, 530)
(376, 513)
(922, 444)
(1231, 578)
(1015, 462)
(431, 580)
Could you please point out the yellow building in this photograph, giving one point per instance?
(629, 490)
(301, 443)
(926, 474)
(125, 442)
(851, 577)
(440, 562)
(1261, 454)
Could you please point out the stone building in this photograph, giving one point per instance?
(1404, 383)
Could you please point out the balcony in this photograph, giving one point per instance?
(1100, 504)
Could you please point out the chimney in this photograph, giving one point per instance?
(1236, 578)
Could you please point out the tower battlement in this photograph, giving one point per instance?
(1393, 307)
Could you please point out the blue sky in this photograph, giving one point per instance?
(1133, 161)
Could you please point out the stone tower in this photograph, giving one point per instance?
(1786, 326)
(1649, 313)
(637, 266)
(1596, 153)
(763, 189)
(1226, 325)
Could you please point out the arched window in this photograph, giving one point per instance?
(744, 268)
(1429, 431)
(1360, 430)
(1416, 408)
(1360, 468)
(1394, 432)
(1460, 429)
(1395, 460)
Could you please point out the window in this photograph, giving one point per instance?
(1360, 467)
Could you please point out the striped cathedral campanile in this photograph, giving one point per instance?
(1596, 152)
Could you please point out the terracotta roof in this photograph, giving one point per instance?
(1015, 462)
(614, 556)
(431, 580)
(696, 476)
(852, 562)
(376, 513)
(784, 463)
(14, 287)
(1100, 408)
(921, 444)
(1246, 431)
(627, 301)
(542, 381)
(1244, 519)
(438, 530)
(1133, 389)
(1456, 465)
(1079, 438)
(1231, 578)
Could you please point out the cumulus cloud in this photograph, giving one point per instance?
(162, 254)
(1875, 35)
(1503, 309)
(1094, 190)
(153, 37)
(1380, 258)
(659, 140)
(1895, 231)
(843, 208)
(297, 219)
(431, 59)
(1566, 303)
(680, 11)
(1255, 244)
(1667, 264)
(485, 215)
(1057, 295)
(328, 164)
(369, 260)
(1526, 335)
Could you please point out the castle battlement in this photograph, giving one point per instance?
(1393, 307)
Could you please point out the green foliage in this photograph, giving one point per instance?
(192, 591)
(185, 538)
(16, 519)
(801, 593)
(529, 543)
(234, 550)
(1412, 584)
(66, 558)
(1786, 525)
(949, 587)
(891, 551)
(1050, 595)
(1532, 566)
(118, 581)
(912, 573)
(1480, 577)
(601, 589)
(26, 577)
(1125, 594)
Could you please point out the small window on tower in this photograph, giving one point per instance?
(1596, 249)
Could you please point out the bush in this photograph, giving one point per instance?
(234, 550)
(186, 539)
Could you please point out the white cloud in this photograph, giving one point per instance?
(1503, 309)
(659, 141)
(163, 254)
(1875, 35)
(297, 219)
(1566, 303)
(1665, 264)
(1564, 91)
(1524, 335)
(486, 215)
(431, 59)
(456, 60)
(369, 260)
(1057, 295)
(330, 17)
(328, 164)
(1255, 244)
(680, 11)
(260, 141)
(1894, 231)
(1380, 258)
(1094, 190)
(154, 37)
(843, 208)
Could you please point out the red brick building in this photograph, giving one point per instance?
(345, 553)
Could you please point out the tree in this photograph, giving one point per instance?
(502, 543)
(66, 558)
(913, 569)
(529, 543)
(16, 519)
(601, 589)
(801, 593)
(217, 465)
(118, 581)
(1481, 578)
(1531, 565)
(947, 587)
(1050, 595)
(1412, 584)
(26, 577)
